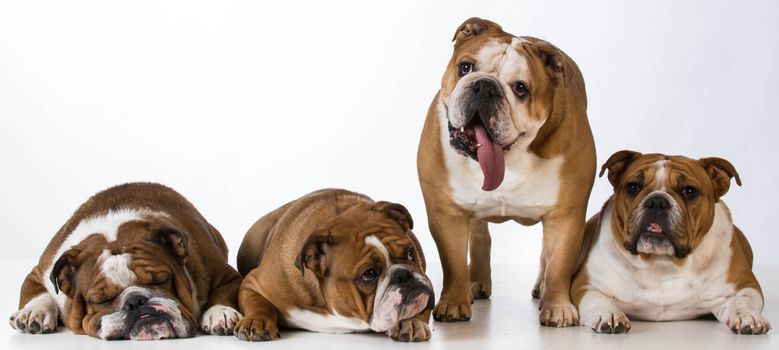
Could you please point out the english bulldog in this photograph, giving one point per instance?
(136, 261)
(334, 261)
(506, 138)
(664, 247)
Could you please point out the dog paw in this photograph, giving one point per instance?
(220, 320)
(747, 322)
(257, 328)
(452, 310)
(39, 316)
(410, 330)
(538, 290)
(614, 322)
(481, 290)
(558, 315)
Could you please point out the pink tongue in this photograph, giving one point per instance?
(490, 156)
(655, 228)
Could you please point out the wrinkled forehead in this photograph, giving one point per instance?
(661, 169)
(505, 56)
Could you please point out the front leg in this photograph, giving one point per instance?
(38, 311)
(599, 312)
(742, 313)
(480, 271)
(413, 329)
(563, 232)
(260, 321)
(450, 231)
(221, 314)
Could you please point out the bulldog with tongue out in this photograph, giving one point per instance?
(506, 138)
(664, 247)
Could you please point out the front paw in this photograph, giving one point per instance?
(748, 322)
(610, 322)
(481, 290)
(410, 330)
(453, 309)
(36, 317)
(257, 328)
(220, 320)
(558, 315)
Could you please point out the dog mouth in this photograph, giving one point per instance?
(476, 141)
(653, 239)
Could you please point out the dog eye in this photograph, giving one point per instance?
(689, 192)
(410, 254)
(369, 275)
(520, 89)
(465, 68)
(633, 188)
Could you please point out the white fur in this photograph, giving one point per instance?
(327, 323)
(530, 186)
(374, 241)
(657, 289)
(107, 225)
(41, 309)
(219, 316)
(661, 174)
(117, 268)
(113, 324)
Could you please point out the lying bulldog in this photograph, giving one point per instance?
(664, 247)
(506, 138)
(334, 261)
(136, 261)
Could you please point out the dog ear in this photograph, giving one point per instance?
(171, 236)
(720, 172)
(617, 164)
(474, 27)
(553, 60)
(63, 273)
(396, 212)
(313, 255)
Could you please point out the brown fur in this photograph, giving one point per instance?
(308, 254)
(559, 98)
(157, 257)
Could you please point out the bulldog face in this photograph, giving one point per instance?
(497, 92)
(135, 287)
(664, 205)
(371, 265)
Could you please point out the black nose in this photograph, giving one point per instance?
(134, 302)
(657, 203)
(485, 88)
(401, 276)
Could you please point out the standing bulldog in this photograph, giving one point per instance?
(334, 261)
(136, 261)
(664, 247)
(506, 138)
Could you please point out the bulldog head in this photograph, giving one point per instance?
(135, 287)
(370, 265)
(501, 92)
(664, 205)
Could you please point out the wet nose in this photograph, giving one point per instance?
(134, 302)
(485, 88)
(657, 203)
(401, 276)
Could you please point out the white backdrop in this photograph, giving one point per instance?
(242, 106)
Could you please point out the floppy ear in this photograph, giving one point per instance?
(720, 172)
(313, 255)
(553, 59)
(171, 236)
(617, 164)
(396, 212)
(474, 27)
(64, 272)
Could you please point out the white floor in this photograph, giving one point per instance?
(507, 320)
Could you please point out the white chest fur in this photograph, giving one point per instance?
(657, 289)
(530, 186)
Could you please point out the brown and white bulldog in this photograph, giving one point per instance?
(334, 261)
(664, 247)
(136, 261)
(506, 138)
